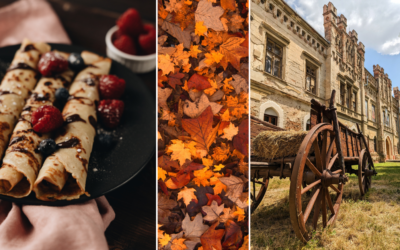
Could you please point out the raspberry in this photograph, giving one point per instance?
(111, 87)
(52, 63)
(125, 44)
(110, 112)
(147, 40)
(130, 23)
(46, 118)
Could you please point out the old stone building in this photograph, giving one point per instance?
(291, 63)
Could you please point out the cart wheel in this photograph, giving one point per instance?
(314, 167)
(364, 179)
(256, 197)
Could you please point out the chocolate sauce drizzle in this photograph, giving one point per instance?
(16, 139)
(47, 83)
(89, 81)
(6, 92)
(29, 47)
(69, 144)
(27, 108)
(74, 118)
(36, 97)
(20, 66)
(93, 121)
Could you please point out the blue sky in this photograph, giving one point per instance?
(377, 25)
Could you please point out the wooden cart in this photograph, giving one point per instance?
(318, 172)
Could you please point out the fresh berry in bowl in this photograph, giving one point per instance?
(111, 87)
(46, 119)
(52, 63)
(132, 43)
(147, 40)
(110, 112)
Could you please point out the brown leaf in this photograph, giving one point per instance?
(164, 206)
(175, 79)
(233, 235)
(194, 109)
(233, 52)
(198, 82)
(194, 229)
(234, 185)
(213, 211)
(166, 50)
(240, 84)
(211, 240)
(209, 15)
(163, 95)
(167, 164)
(227, 215)
(241, 140)
(175, 30)
(201, 129)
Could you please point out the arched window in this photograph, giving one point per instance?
(271, 116)
(375, 144)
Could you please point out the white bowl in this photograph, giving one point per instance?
(138, 64)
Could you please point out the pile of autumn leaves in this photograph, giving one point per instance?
(203, 124)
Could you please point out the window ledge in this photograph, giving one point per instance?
(274, 77)
(310, 93)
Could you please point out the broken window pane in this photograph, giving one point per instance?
(268, 64)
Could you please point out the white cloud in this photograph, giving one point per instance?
(377, 25)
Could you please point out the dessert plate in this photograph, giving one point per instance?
(135, 140)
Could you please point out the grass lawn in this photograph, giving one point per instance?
(369, 223)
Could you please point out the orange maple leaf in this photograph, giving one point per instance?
(201, 129)
(221, 154)
(233, 52)
(202, 176)
(177, 244)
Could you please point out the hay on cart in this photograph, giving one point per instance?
(278, 144)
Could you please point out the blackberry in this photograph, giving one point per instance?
(47, 146)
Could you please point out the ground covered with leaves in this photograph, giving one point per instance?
(203, 124)
(369, 223)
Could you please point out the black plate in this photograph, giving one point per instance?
(135, 135)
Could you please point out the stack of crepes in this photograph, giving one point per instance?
(66, 169)
(63, 174)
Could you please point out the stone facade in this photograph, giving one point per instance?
(291, 63)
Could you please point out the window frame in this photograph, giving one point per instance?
(270, 117)
(274, 56)
(312, 67)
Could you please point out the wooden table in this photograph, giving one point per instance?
(86, 22)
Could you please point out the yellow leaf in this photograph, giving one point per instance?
(200, 29)
(160, 232)
(192, 147)
(227, 88)
(186, 68)
(213, 57)
(221, 154)
(202, 176)
(212, 89)
(165, 240)
(218, 167)
(219, 186)
(188, 2)
(245, 245)
(194, 50)
(225, 116)
(179, 152)
(207, 162)
(230, 132)
(240, 213)
(165, 64)
(177, 244)
(185, 87)
(162, 174)
(187, 194)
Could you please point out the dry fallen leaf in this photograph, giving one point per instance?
(194, 229)
(211, 240)
(233, 52)
(194, 109)
(187, 194)
(234, 185)
(240, 84)
(209, 15)
(230, 132)
(201, 129)
(179, 152)
(213, 211)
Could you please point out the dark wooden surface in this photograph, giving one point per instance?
(86, 22)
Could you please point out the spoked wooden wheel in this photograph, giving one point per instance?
(365, 172)
(258, 195)
(314, 164)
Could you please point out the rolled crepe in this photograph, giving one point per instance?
(63, 174)
(22, 161)
(16, 86)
